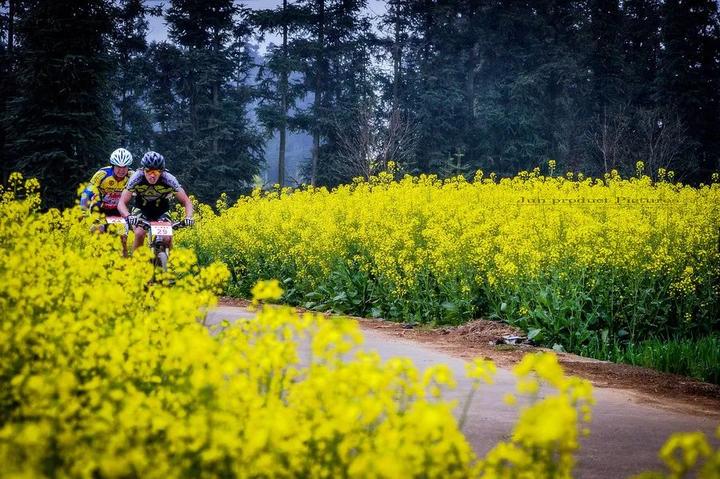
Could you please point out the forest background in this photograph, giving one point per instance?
(321, 91)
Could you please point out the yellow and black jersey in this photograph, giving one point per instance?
(104, 189)
(153, 200)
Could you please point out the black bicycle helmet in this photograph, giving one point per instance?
(152, 161)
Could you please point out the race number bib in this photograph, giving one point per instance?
(114, 220)
(110, 200)
(161, 228)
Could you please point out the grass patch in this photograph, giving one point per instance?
(696, 358)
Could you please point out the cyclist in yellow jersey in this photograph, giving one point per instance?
(106, 185)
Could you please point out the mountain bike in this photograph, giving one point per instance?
(102, 225)
(159, 236)
(114, 220)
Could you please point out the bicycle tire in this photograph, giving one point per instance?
(162, 258)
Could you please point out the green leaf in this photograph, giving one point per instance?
(449, 306)
(534, 333)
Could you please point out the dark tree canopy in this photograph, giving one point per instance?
(61, 122)
(209, 141)
(435, 86)
(134, 121)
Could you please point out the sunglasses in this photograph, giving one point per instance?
(153, 172)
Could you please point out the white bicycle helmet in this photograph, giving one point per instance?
(121, 157)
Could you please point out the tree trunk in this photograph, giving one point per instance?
(123, 117)
(7, 80)
(283, 101)
(318, 90)
(11, 27)
(423, 160)
(551, 130)
(396, 63)
(473, 67)
(397, 73)
(213, 119)
(192, 99)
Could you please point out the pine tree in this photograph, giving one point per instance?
(604, 59)
(399, 124)
(560, 82)
(205, 132)
(401, 114)
(508, 85)
(279, 87)
(434, 48)
(60, 124)
(640, 49)
(351, 88)
(689, 78)
(8, 66)
(316, 74)
(333, 44)
(130, 81)
(427, 86)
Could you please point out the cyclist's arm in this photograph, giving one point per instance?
(123, 202)
(91, 190)
(183, 198)
(86, 197)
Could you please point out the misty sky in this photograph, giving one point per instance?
(157, 30)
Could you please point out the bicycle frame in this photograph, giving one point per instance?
(159, 234)
(115, 220)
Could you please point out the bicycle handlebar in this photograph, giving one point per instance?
(144, 224)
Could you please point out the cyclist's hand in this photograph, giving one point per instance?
(132, 221)
(188, 222)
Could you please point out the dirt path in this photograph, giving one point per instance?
(478, 338)
(631, 419)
